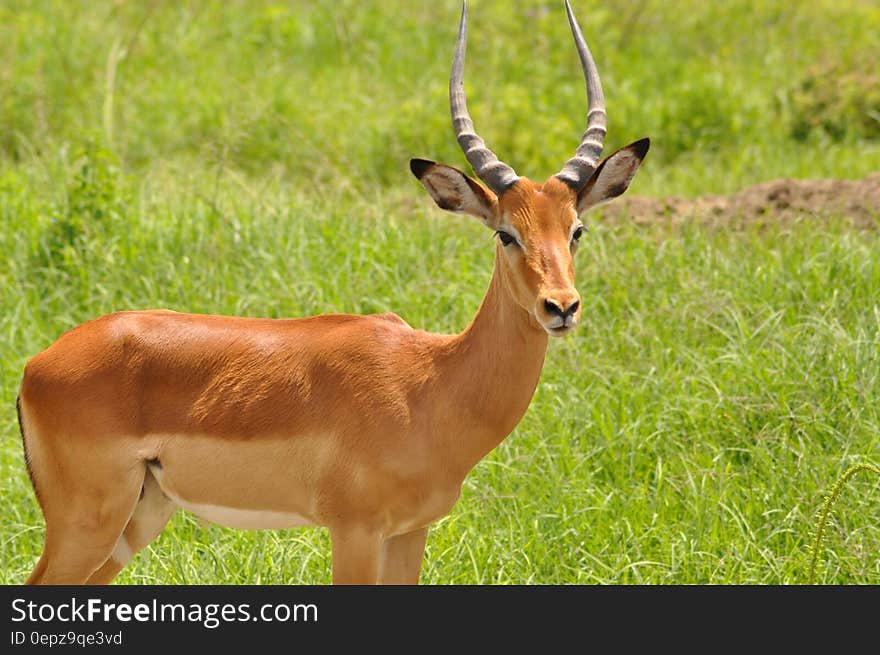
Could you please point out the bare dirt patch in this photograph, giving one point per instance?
(777, 202)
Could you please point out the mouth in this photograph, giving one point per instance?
(560, 330)
(556, 323)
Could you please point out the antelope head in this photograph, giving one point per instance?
(538, 224)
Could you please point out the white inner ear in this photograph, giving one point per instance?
(613, 180)
(451, 192)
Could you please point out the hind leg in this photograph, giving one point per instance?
(37, 573)
(84, 521)
(149, 518)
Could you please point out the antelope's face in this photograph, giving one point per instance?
(538, 226)
(538, 231)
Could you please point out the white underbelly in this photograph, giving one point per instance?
(233, 517)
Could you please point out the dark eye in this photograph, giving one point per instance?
(506, 239)
(578, 233)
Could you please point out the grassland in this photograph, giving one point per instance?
(251, 158)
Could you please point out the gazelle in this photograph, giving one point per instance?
(360, 424)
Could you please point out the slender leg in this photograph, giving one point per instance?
(37, 574)
(402, 555)
(150, 516)
(356, 554)
(82, 529)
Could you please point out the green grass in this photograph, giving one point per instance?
(251, 159)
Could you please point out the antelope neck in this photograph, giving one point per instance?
(493, 367)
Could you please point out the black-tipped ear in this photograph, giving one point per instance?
(613, 175)
(454, 191)
(420, 166)
(641, 147)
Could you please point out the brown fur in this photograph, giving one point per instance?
(361, 424)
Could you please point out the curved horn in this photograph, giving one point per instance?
(494, 172)
(578, 169)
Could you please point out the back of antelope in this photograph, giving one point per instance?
(360, 424)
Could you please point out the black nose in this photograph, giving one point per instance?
(553, 308)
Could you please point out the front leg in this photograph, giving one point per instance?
(401, 560)
(356, 554)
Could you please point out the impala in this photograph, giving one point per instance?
(360, 424)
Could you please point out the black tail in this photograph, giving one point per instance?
(27, 459)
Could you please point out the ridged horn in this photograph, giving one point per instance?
(577, 170)
(494, 172)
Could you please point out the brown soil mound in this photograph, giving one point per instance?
(778, 201)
